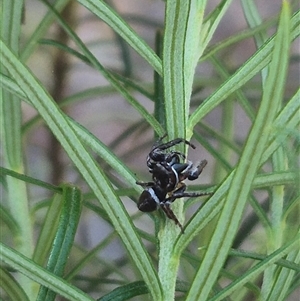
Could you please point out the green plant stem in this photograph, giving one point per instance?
(277, 227)
(181, 51)
(11, 118)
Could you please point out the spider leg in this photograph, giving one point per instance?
(180, 193)
(171, 143)
(190, 194)
(170, 214)
(181, 187)
(159, 140)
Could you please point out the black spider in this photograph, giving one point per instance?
(168, 174)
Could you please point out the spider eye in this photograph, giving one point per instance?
(146, 202)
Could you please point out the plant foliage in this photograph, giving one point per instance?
(241, 243)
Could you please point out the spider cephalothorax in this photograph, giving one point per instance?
(168, 174)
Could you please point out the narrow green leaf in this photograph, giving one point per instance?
(94, 253)
(108, 75)
(193, 47)
(215, 203)
(213, 19)
(276, 231)
(65, 48)
(8, 220)
(91, 141)
(123, 79)
(159, 99)
(105, 153)
(284, 279)
(242, 99)
(273, 179)
(63, 241)
(10, 27)
(247, 167)
(173, 67)
(227, 42)
(254, 20)
(287, 120)
(181, 51)
(9, 85)
(35, 272)
(126, 292)
(109, 16)
(27, 179)
(203, 216)
(64, 238)
(94, 177)
(12, 288)
(41, 29)
(291, 263)
(137, 288)
(258, 61)
(11, 139)
(256, 270)
(48, 230)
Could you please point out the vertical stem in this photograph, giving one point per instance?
(11, 140)
(183, 20)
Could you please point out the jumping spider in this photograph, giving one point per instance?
(168, 174)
